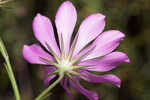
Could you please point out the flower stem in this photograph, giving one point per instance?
(9, 70)
(13, 81)
(45, 92)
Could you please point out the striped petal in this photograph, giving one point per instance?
(43, 31)
(65, 22)
(106, 43)
(33, 53)
(89, 29)
(78, 87)
(107, 78)
(64, 84)
(49, 70)
(106, 63)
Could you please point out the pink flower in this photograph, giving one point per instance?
(91, 50)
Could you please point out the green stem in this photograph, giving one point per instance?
(9, 70)
(45, 92)
(13, 81)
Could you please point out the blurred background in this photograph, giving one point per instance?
(131, 17)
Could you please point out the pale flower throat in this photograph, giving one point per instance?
(65, 65)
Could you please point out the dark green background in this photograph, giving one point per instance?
(132, 17)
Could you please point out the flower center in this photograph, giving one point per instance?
(65, 65)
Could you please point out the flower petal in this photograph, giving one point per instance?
(106, 63)
(89, 29)
(108, 78)
(64, 85)
(43, 31)
(49, 70)
(78, 87)
(33, 53)
(65, 22)
(88, 49)
(106, 43)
